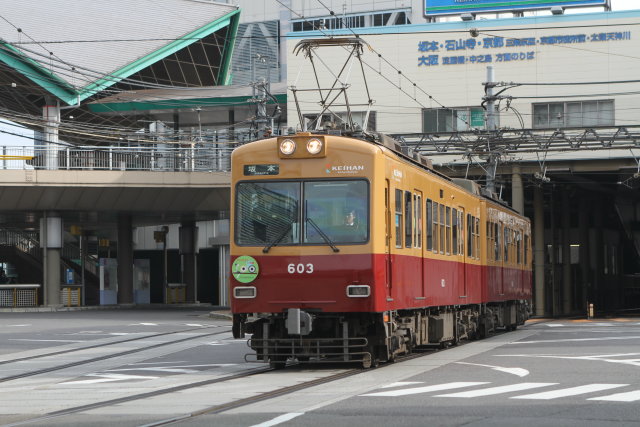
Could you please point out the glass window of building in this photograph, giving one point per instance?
(574, 114)
(452, 119)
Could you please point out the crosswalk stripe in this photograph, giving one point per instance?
(497, 390)
(401, 384)
(630, 396)
(572, 391)
(425, 389)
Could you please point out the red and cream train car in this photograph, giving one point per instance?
(344, 249)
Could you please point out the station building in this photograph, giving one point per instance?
(566, 79)
(200, 97)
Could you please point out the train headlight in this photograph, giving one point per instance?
(358, 291)
(287, 147)
(244, 292)
(314, 146)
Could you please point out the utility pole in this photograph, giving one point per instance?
(261, 95)
(492, 120)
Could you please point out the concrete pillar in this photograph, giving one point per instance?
(556, 302)
(51, 242)
(538, 250)
(188, 233)
(125, 259)
(597, 259)
(567, 286)
(51, 117)
(517, 191)
(583, 230)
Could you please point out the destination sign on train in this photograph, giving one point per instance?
(261, 170)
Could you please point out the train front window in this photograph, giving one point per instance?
(267, 213)
(338, 208)
(278, 213)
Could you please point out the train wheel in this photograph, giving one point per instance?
(370, 360)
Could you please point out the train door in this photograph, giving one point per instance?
(458, 245)
(387, 238)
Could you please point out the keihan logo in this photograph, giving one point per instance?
(349, 169)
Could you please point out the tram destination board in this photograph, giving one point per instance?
(251, 170)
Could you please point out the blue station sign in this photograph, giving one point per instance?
(455, 7)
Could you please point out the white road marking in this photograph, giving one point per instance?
(26, 339)
(497, 390)
(402, 384)
(574, 340)
(572, 391)
(630, 396)
(521, 372)
(105, 378)
(279, 420)
(156, 363)
(224, 342)
(194, 324)
(144, 324)
(173, 369)
(554, 325)
(602, 358)
(426, 389)
(20, 326)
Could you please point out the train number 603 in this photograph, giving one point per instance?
(300, 268)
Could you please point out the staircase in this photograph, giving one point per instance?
(22, 248)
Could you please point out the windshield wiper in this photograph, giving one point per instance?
(278, 239)
(324, 236)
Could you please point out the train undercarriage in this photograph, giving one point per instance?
(370, 338)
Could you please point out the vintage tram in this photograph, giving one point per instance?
(349, 249)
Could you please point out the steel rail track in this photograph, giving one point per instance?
(125, 399)
(73, 350)
(108, 356)
(216, 409)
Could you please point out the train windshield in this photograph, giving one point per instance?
(270, 213)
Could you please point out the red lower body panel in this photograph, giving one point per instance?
(320, 283)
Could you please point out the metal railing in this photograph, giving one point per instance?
(159, 157)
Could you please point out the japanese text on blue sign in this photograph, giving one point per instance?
(472, 51)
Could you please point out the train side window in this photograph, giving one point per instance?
(461, 232)
(489, 241)
(477, 239)
(442, 230)
(518, 247)
(506, 244)
(497, 247)
(417, 222)
(408, 219)
(454, 231)
(526, 249)
(436, 228)
(448, 229)
(429, 225)
(469, 236)
(398, 218)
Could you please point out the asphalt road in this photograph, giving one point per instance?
(549, 373)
